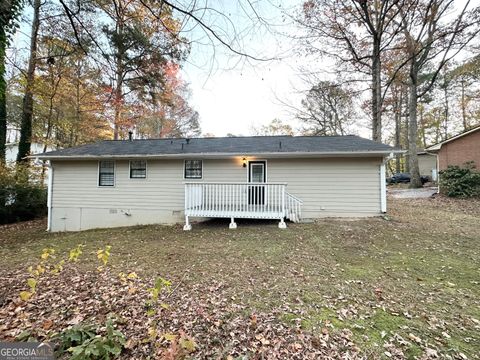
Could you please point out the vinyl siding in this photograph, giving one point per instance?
(328, 187)
(331, 187)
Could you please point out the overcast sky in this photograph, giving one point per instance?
(231, 93)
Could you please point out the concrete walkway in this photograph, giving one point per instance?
(412, 193)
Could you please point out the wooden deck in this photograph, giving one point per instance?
(240, 200)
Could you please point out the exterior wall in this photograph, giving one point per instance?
(328, 187)
(331, 187)
(426, 164)
(461, 150)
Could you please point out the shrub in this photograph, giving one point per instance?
(458, 181)
(86, 342)
(22, 194)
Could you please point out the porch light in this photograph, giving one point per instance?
(244, 162)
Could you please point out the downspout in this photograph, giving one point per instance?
(383, 184)
(49, 195)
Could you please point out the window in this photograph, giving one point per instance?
(106, 173)
(193, 169)
(138, 169)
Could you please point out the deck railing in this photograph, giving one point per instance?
(240, 200)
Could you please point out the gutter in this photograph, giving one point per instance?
(221, 155)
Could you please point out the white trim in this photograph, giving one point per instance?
(49, 196)
(201, 156)
(137, 178)
(185, 164)
(248, 168)
(114, 174)
(438, 146)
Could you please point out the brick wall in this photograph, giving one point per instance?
(458, 152)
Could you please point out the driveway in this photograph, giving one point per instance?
(412, 193)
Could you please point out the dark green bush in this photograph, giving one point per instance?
(22, 194)
(462, 181)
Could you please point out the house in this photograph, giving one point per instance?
(427, 164)
(11, 150)
(458, 150)
(129, 182)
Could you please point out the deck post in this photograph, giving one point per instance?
(282, 224)
(187, 226)
(233, 224)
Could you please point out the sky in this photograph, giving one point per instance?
(235, 98)
(233, 94)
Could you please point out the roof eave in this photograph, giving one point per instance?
(437, 146)
(222, 155)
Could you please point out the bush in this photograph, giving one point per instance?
(458, 181)
(22, 194)
(87, 342)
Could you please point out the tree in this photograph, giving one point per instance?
(356, 34)
(426, 38)
(69, 93)
(140, 44)
(9, 12)
(27, 109)
(326, 110)
(274, 128)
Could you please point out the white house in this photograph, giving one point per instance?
(11, 150)
(130, 182)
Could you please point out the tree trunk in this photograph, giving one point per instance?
(118, 101)
(447, 110)
(415, 181)
(376, 93)
(397, 108)
(422, 122)
(119, 75)
(27, 110)
(407, 127)
(3, 99)
(464, 110)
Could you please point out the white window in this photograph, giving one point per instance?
(193, 169)
(106, 173)
(138, 169)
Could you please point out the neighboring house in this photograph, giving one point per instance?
(130, 182)
(427, 164)
(12, 150)
(458, 149)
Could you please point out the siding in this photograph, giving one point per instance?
(328, 187)
(427, 163)
(331, 187)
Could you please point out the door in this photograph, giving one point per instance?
(256, 176)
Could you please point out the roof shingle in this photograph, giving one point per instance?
(224, 145)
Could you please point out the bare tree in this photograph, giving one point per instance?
(356, 34)
(274, 128)
(326, 110)
(430, 42)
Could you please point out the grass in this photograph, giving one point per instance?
(411, 279)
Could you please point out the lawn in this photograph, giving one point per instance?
(403, 286)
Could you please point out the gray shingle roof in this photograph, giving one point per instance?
(225, 145)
